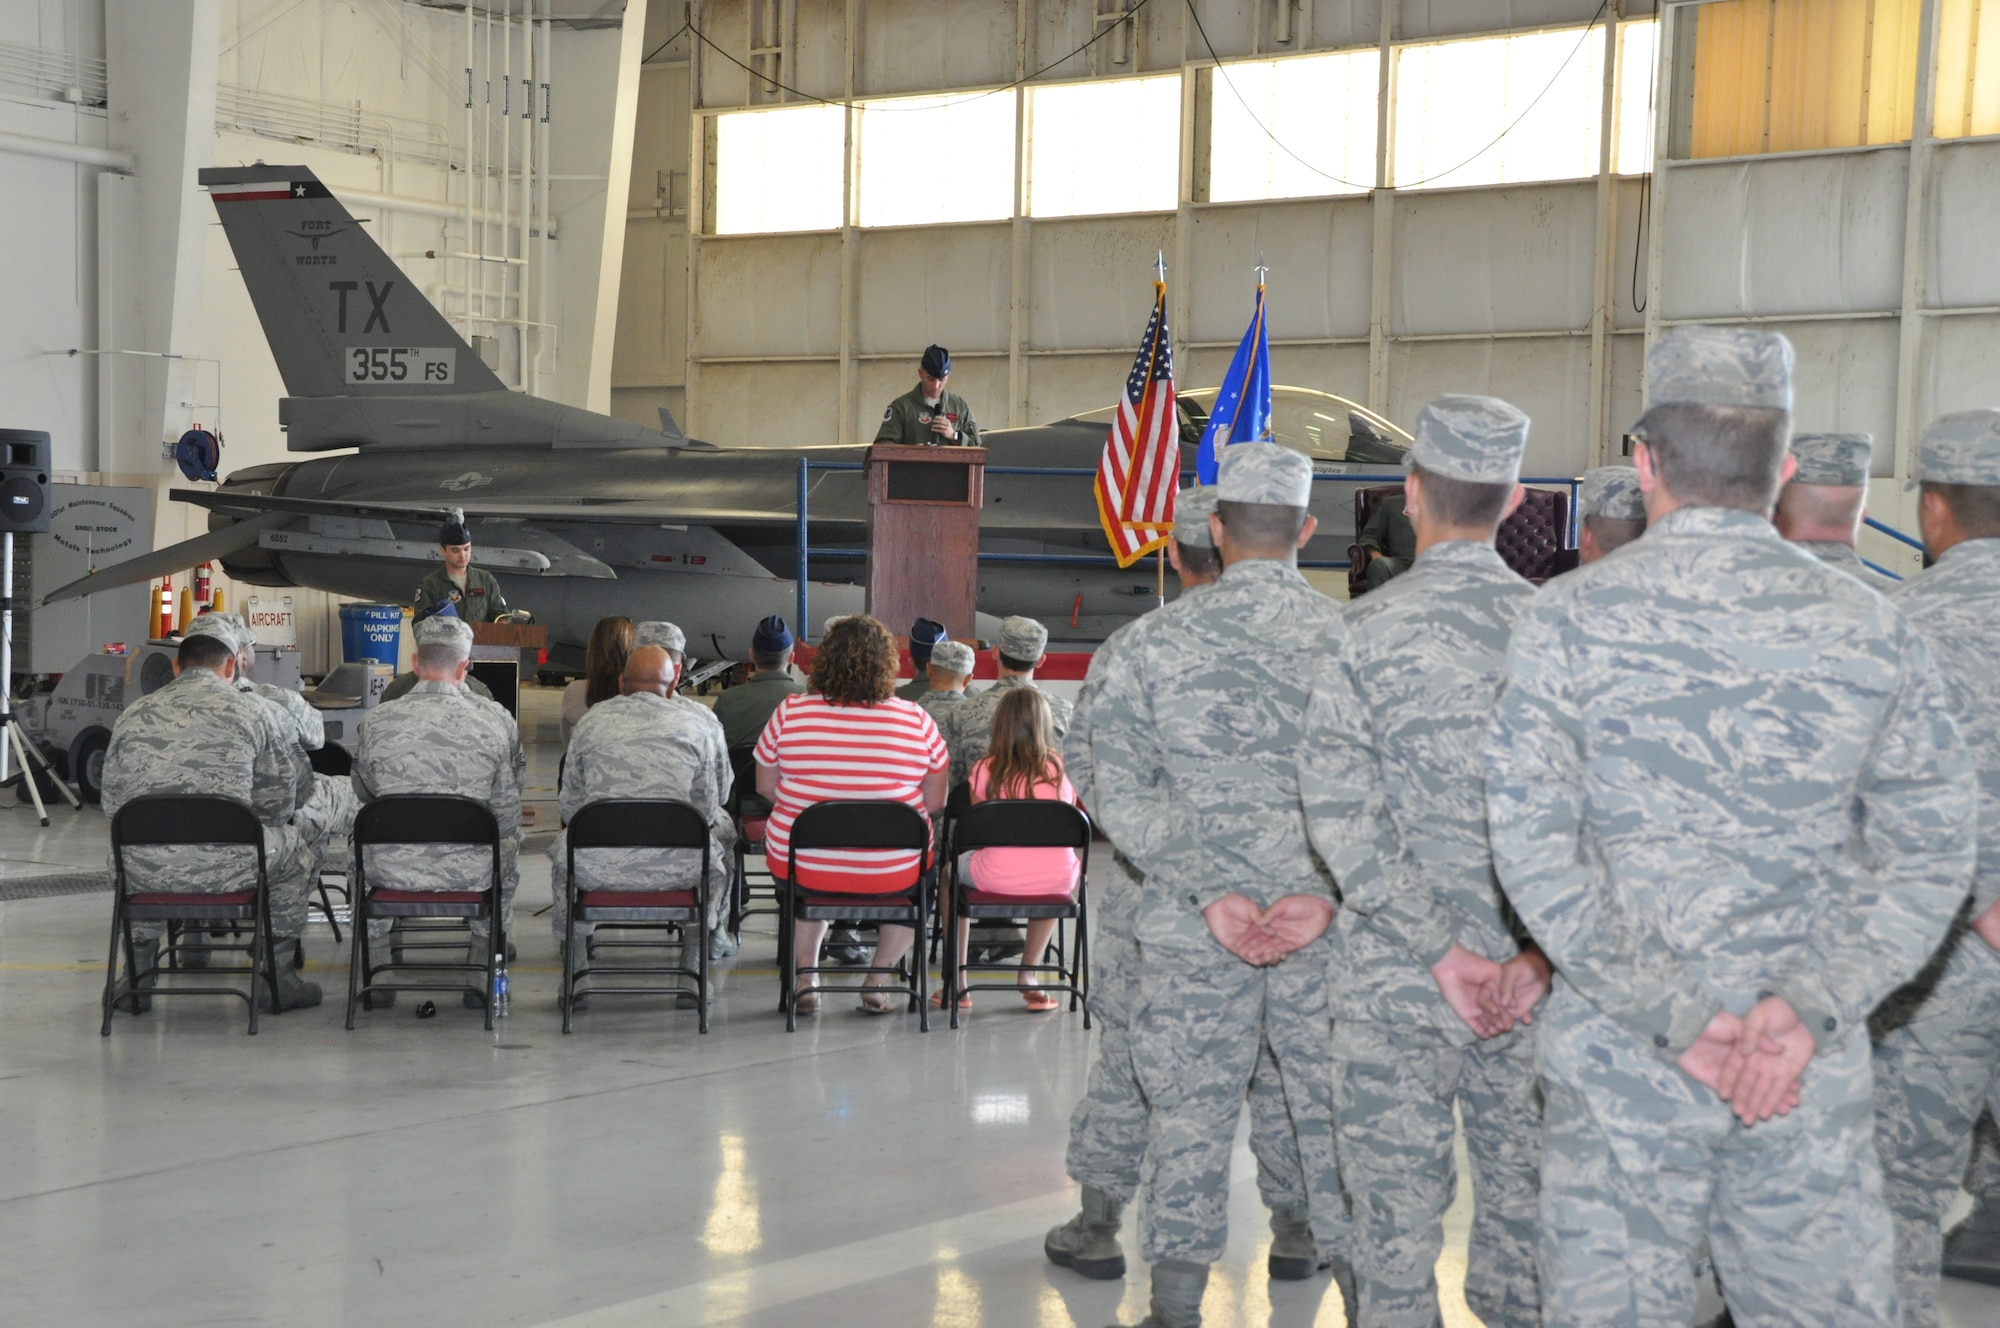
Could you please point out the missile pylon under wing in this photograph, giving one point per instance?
(581, 515)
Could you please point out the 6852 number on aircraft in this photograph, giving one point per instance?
(435, 365)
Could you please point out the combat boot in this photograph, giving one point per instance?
(145, 954)
(1088, 1242)
(1972, 1250)
(294, 992)
(1294, 1257)
(1177, 1291)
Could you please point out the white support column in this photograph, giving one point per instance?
(1666, 94)
(617, 188)
(1019, 234)
(1381, 305)
(850, 235)
(1597, 447)
(162, 79)
(1917, 249)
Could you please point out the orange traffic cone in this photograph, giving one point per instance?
(186, 618)
(163, 613)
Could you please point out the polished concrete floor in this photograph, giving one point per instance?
(425, 1171)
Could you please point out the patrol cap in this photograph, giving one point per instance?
(217, 625)
(1612, 493)
(771, 636)
(1023, 639)
(953, 657)
(1961, 448)
(937, 361)
(1837, 460)
(662, 634)
(1268, 473)
(454, 532)
(1476, 439)
(1720, 366)
(923, 635)
(1192, 508)
(439, 630)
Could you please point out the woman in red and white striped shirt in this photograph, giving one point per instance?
(850, 738)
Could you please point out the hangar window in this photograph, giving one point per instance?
(1293, 128)
(1111, 146)
(1968, 75)
(1638, 57)
(1794, 75)
(926, 160)
(1454, 99)
(779, 170)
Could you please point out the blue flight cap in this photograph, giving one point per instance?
(923, 635)
(444, 608)
(771, 636)
(937, 361)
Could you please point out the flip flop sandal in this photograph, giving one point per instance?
(964, 1000)
(1040, 1002)
(876, 1001)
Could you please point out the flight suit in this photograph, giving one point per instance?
(480, 601)
(1389, 532)
(907, 420)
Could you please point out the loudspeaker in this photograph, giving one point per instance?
(24, 481)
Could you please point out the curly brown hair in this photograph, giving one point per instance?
(611, 642)
(855, 663)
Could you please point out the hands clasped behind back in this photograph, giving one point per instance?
(1265, 936)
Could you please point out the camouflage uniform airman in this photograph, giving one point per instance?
(955, 656)
(1612, 492)
(199, 735)
(969, 727)
(639, 746)
(1838, 460)
(329, 813)
(1194, 747)
(1937, 1050)
(1107, 1130)
(440, 739)
(1393, 777)
(1718, 770)
(670, 638)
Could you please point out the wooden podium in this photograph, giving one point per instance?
(923, 535)
(497, 649)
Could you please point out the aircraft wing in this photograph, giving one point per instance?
(212, 547)
(636, 511)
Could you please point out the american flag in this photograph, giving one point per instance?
(1140, 470)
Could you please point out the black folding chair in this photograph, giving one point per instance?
(435, 820)
(333, 761)
(184, 819)
(859, 825)
(955, 804)
(750, 813)
(1020, 823)
(639, 823)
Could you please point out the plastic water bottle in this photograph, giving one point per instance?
(500, 986)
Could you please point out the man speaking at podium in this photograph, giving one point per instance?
(927, 415)
(472, 593)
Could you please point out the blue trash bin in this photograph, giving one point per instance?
(371, 632)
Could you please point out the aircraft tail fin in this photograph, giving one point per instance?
(341, 318)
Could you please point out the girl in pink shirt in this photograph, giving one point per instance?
(1021, 762)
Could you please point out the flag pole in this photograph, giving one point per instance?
(1160, 566)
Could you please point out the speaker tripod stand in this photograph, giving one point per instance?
(16, 752)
